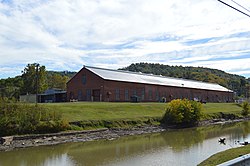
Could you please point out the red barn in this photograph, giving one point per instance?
(98, 84)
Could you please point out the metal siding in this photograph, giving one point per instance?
(125, 76)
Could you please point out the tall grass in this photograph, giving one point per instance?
(22, 118)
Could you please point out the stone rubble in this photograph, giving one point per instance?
(12, 142)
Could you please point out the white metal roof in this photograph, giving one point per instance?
(127, 76)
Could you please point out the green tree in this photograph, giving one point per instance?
(10, 87)
(248, 91)
(30, 73)
(56, 80)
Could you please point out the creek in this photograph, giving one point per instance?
(176, 147)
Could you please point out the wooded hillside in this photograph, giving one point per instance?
(13, 87)
(237, 83)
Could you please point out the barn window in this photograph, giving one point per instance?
(88, 94)
(134, 92)
(71, 94)
(157, 95)
(117, 94)
(165, 94)
(84, 79)
(126, 94)
(79, 97)
(150, 94)
(143, 94)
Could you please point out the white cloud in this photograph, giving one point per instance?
(242, 72)
(64, 34)
(226, 65)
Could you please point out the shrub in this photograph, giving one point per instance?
(22, 118)
(245, 106)
(183, 112)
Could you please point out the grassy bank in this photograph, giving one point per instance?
(224, 156)
(221, 110)
(89, 115)
(92, 115)
(79, 111)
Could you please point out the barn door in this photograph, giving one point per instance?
(96, 94)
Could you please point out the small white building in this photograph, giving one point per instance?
(28, 98)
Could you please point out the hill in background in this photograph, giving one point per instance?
(13, 87)
(68, 74)
(237, 83)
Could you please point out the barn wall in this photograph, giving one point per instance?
(121, 91)
(86, 86)
(158, 93)
(78, 89)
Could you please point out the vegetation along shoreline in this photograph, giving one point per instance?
(32, 140)
(27, 125)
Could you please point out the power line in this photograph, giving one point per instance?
(234, 8)
(240, 5)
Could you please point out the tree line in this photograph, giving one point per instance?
(26, 83)
(33, 75)
(238, 84)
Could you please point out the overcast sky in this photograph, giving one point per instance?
(67, 34)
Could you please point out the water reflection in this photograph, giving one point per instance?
(184, 146)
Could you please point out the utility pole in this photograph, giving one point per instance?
(37, 65)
